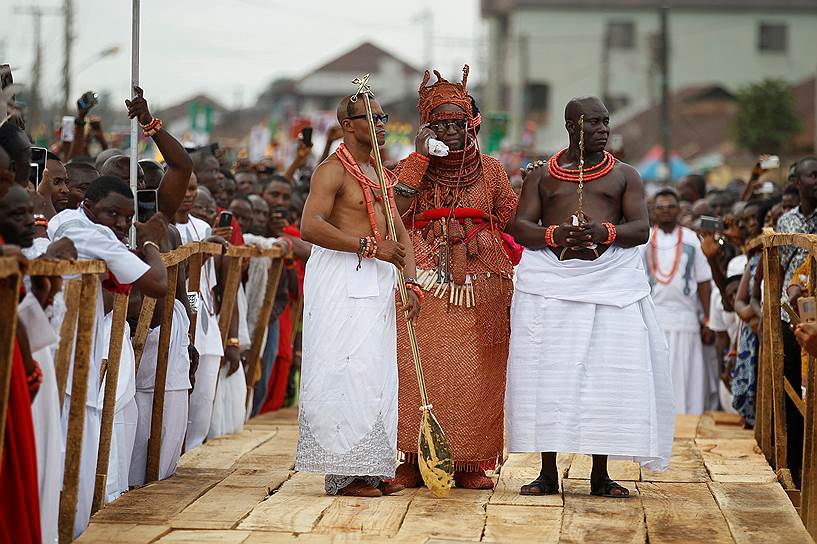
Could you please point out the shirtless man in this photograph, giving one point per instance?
(603, 388)
(348, 403)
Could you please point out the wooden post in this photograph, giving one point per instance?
(71, 292)
(262, 323)
(808, 484)
(228, 296)
(773, 285)
(9, 289)
(120, 314)
(156, 422)
(140, 336)
(76, 417)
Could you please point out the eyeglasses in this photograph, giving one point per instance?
(667, 207)
(443, 126)
(384, 117)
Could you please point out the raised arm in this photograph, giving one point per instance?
(179, 166)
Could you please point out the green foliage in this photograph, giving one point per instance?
(767, 119)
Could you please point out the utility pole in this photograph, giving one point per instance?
(37, 14)
(426, 21)
(665, 111)
(68, 10)
(605, 66)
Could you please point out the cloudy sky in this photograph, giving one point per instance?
(233, 49)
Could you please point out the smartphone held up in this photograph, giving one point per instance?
(147, 204)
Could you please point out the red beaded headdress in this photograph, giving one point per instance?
(444, 92)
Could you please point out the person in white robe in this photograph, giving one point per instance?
(177, 385)
(725, 323)
(680, 278)
(98, 233)
(208, 338)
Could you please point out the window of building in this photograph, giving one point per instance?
(773, 38)
(621, 34)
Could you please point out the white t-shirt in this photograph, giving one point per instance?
(98, 242)
(677, 303)
(720, 320)
(208, 337)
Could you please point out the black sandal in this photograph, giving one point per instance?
(608, 488)
(542, 486)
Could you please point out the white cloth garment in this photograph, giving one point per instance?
(588, 369)
(678, 308)
(722, 321)
(208, 342)
(348, 400)
(174, 420)
(45, 412)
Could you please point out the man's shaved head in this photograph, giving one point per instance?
(347, 108)
(576, 107)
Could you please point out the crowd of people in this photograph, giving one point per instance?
(487, 285)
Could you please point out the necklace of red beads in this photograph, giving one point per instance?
(657, 273)
(368, 186)
(604, 167)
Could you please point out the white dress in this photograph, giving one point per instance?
(588, 369)
(348, 398)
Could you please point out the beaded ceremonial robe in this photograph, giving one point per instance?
(463, 337)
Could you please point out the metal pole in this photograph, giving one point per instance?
(134, 124)
(69, 43)
(665, 113)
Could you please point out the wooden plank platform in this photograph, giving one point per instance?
(241, 489)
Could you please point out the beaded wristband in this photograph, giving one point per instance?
(412, 285)
(152, 128)
(549, 235)
(611, 233)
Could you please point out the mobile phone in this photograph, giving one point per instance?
(770, 163)
(306, 136)
(67, 130)
(38, 158)
(88, 99)
(225, 219)
(808, 309)
(711, 224)
(147, 203)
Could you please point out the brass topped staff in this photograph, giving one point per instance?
(580, 217)
(433, 451)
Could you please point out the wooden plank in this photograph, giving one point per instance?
(9, 289)
(794, 396)
(295, 508)
(223, 506)
(262, 323)
(178, 255)
(677, 512)
(685, 465)
(225, 451)
(118, 317)
(49, 267)
(618, 469)
(284, 416)
(9, 266)
(449, 518)
(593, 519)
(808, 496)
(759, 513)
(521, 469)
(62, 360)
(194, 537)
(735, 460)
(522, 524)
(771, 307)
(76, 415)
(381, 517)
(160, 379)
(708, 428)
(121, 533)
(161, 501)
(686, 426)
(140, 335)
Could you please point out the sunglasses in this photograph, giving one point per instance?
(384, 117)
(667, 207)
(442, 126)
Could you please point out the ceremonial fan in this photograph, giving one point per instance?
(433, 451)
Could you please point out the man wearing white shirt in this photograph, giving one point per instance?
(679, 275)
(99, 230)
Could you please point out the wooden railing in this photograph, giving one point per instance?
(773, 387)
(77, 334)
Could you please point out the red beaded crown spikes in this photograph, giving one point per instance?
(590, 173)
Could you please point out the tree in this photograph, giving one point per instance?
(766, 120)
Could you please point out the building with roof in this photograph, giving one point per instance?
(542, 53)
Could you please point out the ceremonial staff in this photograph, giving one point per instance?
(580, 218)
(134, 123)
(433, 451)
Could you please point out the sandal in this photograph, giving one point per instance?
(608, 488)
(541, 486)
(359, 488)
(389, 487)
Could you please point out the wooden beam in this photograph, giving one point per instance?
(773, 286)
(9, 266)
(794, 397)
(228, 296)
(62, 360)
(140, 336)
(181, 253)
(76, 416)
(48, 267)
(166, 331)
(120, 314)
(808, 483)
(9, 289)
(262, 323)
